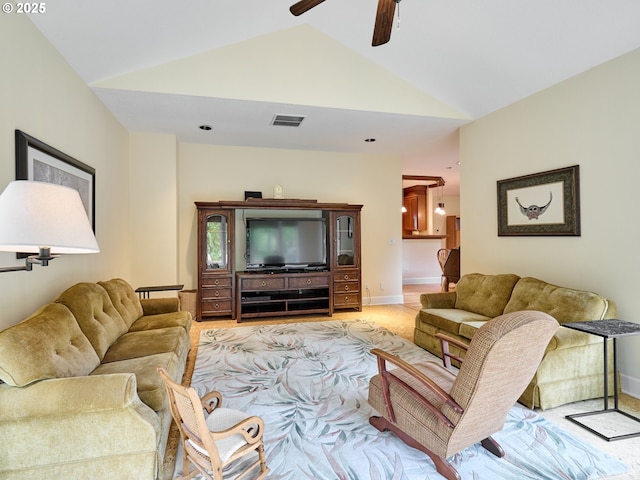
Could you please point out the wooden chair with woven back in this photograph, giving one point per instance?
(225, 443)
(432, 409)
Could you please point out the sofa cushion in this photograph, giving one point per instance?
(156, 306)
(563, 304)
(163, 320)
(469, 329)
(148, 342)
(485, 294)
(48, 344)
(97, 317)
(124, 298)
(449, 319)
(151, 389)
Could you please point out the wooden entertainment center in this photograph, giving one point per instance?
(225, 291)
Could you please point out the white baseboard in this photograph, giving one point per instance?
(390, 300)
(630, 385)
(421, 281)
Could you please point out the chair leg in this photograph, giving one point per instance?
(443, 467)
(264, 470)
(380, 423)
(493, 446)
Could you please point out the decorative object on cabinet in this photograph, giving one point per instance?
(251, 194)
(540, 204)
(226, 289)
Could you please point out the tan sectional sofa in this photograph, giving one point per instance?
(80, 395)
(572, 367)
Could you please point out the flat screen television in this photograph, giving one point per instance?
(286, 242)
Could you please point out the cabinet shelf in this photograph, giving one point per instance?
(283, 294)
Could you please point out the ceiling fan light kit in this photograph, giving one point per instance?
(384, 17)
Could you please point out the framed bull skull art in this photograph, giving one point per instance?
(540, 204)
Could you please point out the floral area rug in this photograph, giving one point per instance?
(309, 383)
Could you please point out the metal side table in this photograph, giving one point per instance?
(607, 329)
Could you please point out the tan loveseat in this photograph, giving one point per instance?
(572, 367)
(81, 397)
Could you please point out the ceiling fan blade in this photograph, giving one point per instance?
(304, 5)
(384, 22)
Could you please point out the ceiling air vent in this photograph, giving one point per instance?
(287, 120)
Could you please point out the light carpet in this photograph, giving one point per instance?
(309, 383)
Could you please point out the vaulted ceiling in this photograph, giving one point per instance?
(169, 66)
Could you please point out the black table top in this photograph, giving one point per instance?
(606, 328)
(159, 288)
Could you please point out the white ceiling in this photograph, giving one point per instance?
(475, 56)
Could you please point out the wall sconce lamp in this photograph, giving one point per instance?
(41, 218)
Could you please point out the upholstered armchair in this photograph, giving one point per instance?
(439, 413)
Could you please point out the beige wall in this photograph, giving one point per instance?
(592, 120)
(212, 173)
(41, 95)
(154, 209)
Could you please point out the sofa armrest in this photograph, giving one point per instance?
(569, 338)
(69, 396)
(438, 300)
(156, 306)
(73, 420)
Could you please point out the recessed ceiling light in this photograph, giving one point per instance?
(369, 140)
(206, 128)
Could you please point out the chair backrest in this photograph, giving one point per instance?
(503, 357)
(443, 253)
(451, 268)
(187, 411)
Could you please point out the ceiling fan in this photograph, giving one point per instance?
(384, 17)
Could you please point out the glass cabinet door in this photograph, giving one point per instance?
(345, 241)
(217, 242)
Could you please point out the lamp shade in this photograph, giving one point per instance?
(38, 214)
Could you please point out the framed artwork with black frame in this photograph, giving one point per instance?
(540, 204)
(37, 161)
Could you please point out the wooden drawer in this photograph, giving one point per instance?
(346, 300)
(262, 283)
(309, 282)
(346, 287)
(215, 306)
(351, 276)
(216, 281)
(213, 293)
